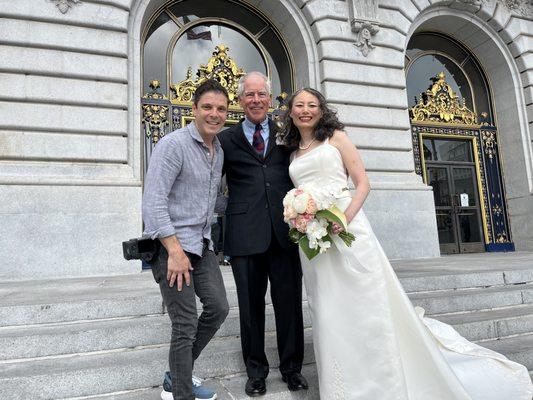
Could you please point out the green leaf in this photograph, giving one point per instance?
(295, 235)
(334, 214)
(309, 252)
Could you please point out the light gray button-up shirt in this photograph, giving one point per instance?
(181, 188)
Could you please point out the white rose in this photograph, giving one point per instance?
(300, 203)
(289, 213)
(289, 198)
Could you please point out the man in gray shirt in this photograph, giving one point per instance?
(180, 193)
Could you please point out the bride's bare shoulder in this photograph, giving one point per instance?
(339, 138)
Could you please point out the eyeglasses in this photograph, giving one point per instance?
(251, 95)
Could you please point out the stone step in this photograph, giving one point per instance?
(104, 334)
(31, 341)
(452, 301)
(463, 271)
(229, 388)
(122, 369)
(81, 299)
(276, 388)
(60, 300)
(63, 300)
(492, 323)
(516, 348)
(433, 280)
(74, 299)
(87, 336)
(133, 328)
(151, 393)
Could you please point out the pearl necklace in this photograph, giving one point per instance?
(306, 147)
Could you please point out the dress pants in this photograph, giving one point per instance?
(190, 333)
(252, 273)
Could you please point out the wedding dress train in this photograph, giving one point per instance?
(369, 341)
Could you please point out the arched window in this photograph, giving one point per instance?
(184, 34)
(428, 54)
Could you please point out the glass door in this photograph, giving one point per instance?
(451, 172)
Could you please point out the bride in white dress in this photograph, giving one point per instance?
(369, 342)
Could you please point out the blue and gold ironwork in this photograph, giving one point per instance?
(437, 115)
(495, 187)
(441, 104)
(161, 115)
(155, 113)
(220, 67)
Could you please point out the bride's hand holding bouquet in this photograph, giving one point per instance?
(313, 218)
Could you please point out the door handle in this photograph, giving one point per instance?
(455, 203)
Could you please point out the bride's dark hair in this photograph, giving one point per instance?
(327, 124)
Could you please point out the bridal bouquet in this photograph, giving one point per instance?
(314, 218)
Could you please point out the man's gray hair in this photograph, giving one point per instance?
(240, 86)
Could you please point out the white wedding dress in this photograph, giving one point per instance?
(370, 343)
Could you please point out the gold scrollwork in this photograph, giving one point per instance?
(440, 104)
(282, 102)
(220, 67)
(154, 115)
(484, 119)
(502, 238)
(489, 141)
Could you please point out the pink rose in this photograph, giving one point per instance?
(311, 207)
(301, 222)
(336, 228)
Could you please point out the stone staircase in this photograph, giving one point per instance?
(107, 337)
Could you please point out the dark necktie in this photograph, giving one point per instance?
(258, 142)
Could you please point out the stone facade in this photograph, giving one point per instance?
(70, 134)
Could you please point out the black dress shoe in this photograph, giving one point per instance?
(255, 387)
(295, 381)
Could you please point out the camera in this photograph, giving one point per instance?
(140, 249)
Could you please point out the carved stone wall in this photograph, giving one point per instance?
(70, 118)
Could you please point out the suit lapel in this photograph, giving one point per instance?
(239, 139)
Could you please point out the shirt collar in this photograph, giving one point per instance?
(195, 134)
(250, 125)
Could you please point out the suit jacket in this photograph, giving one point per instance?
(257, 187)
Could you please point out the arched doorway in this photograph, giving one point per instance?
(184, 43)
(455, 144)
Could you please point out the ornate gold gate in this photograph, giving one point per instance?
(161, 115)
(456, 152)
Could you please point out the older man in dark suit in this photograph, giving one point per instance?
(257, 239)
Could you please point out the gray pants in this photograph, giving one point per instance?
(190, 333)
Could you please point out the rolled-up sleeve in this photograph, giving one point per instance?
(165, 166)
